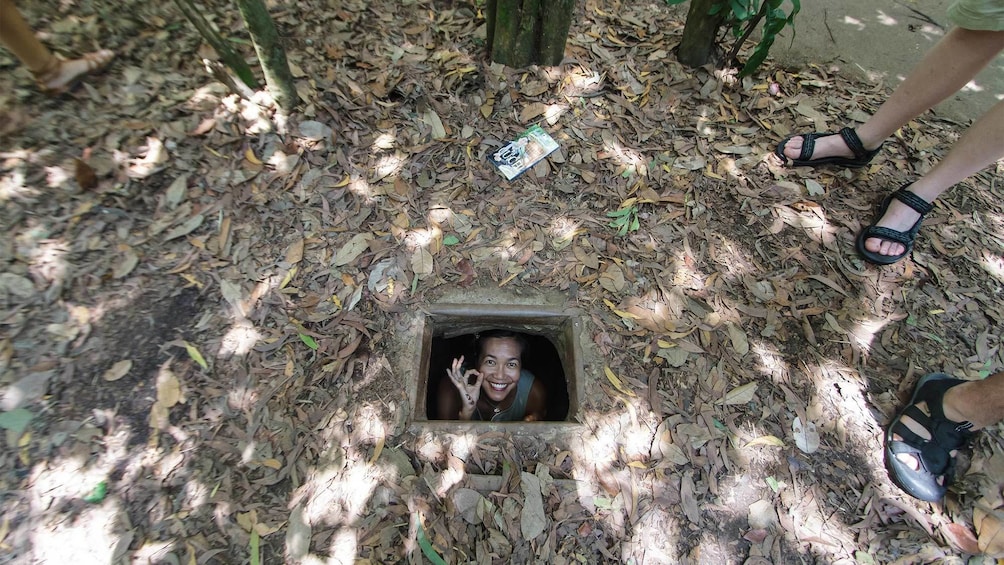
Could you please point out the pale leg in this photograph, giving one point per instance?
(945, 69)
(980, 145)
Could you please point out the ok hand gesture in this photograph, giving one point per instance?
(469, 393)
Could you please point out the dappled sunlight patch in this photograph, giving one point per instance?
(564, 230)
(49, 261)
(339, 496)
(811, 220)
(389, 165)
(770, 362)
(441, 215)
(581, 81)
(243, 397)
(153, 552)
(732, 259)
(386, 140)
(630, 160)
(840, 405)
(885, 19)
(422, 238)
(853, 22)
(13, 187)
(96, 535)
(993, 264)
(239, 339)
(361, 188)
(863, 332)
(57, 176)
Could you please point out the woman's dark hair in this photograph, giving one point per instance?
(519, 338)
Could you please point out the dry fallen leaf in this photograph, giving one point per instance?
(990, 529)
(168, 387)
(85, 175)
(614, 380)
(353, 249)
(740, 395)
(961, 538)
(532, 519)
(118, 370)
(806, 437)
(126, 264)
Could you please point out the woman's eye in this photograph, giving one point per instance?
(489, 362)
(512, 365)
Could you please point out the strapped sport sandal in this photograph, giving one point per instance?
(67, 74)
(906, 238)
(861, 157)
(934, 456)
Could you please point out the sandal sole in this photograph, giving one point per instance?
(891, 461)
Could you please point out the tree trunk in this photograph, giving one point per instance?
(230, 58)
(699, 33)
(528, 32)
(271, 55)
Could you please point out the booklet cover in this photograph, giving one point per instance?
(526, 151)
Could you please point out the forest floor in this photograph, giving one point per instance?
(210, 314)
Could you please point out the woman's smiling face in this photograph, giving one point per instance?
(500, 364)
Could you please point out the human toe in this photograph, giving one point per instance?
(793, 148)
(72, 71)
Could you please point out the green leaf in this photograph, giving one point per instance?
(619, 212)
(16, 420)
(193, 352)
(98, 494)
(740, 11)
(451, 240)
(255, 547)
(427, 549)
(773, 484)
(311, 342)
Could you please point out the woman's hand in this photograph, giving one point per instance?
(469, 393)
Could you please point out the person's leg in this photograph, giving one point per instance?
(945, 69)
(17, 35)
(979, 146)
(54, 75)
(967, 407)
(978, 402)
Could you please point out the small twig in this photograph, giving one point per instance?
(761, 14)
(826, 23)
(922, 16)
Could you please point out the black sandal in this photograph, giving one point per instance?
(933, 455)
(861, 157)
(906, 238)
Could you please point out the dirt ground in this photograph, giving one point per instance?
(210, 313)
(879, 42)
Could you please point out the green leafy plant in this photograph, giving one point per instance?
(743, 16)
(625, 218)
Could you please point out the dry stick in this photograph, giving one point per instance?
(749, 31)
(231, 58)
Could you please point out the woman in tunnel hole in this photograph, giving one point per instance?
(498, 388)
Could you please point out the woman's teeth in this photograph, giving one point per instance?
(498, 386)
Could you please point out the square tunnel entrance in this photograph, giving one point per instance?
(552, 354)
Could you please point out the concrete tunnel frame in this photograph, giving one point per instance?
(561, 326)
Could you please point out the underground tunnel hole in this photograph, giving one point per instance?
(550, 354)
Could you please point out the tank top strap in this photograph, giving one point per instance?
(517, 410)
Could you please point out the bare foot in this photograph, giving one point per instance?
(899, 217)
(829, 146)
(69, 73)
